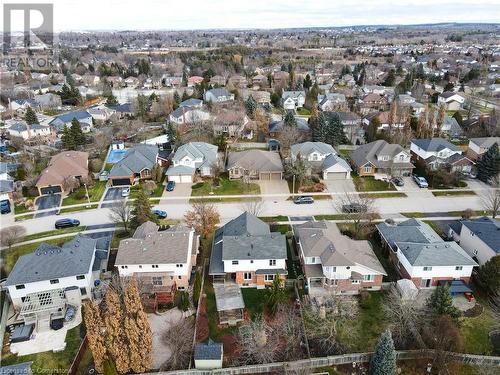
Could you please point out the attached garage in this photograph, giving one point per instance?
(336, 175)
(120, 182)
(46, 190)
(268, 176)
(181, 178)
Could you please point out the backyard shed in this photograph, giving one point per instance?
(229, 301)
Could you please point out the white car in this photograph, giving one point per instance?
(126, 192)
(420, 181)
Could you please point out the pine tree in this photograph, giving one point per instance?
(320, 130)
(30, 116)
(93, 325)
(307, 82)
(137, 330)
(177, 98)
(141, 211)
(289, 119)
(335, 131)
(111, 100)
(76, 133)
(383, 361)
(171, 133)
(441, 302)
(488, 165)
(67, 139)
(250, 106)
(115, 337)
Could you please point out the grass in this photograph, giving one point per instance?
(254, 301)
(383, 195)
(20, 209)
(156, 193)
(118, 235)
(108, 166)
(450, 213)
(369, 183)
(339, 217)
(215, 331)
(293, 266)
(436, 228)
(304, 112)
(80, 208)
(270, 219)
(95, 193)
(345, 153)
(54, 232)
(449, 193)
(50, 362)
(475, 331)
(24, 217)
(226, 187)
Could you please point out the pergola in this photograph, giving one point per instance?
(42, 303)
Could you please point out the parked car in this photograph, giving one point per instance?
(354, 208)
(66, 223)
(161, 214)
(398, 181)
(5, 206)
(420, 181)
(170, 186)
(303, 200)
(126, 191)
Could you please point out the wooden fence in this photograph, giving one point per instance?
(78, 358)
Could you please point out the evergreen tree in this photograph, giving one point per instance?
(93, 325)
(441, 302)
(289, 119)
(115, 337)
(171, 133)
(457, 116)
(383, 361)
(320, 129)
(390, 79)
(334, 134)
(111, 100)
(250, 106)
(76, 133)
(141, 211)
(488, 165)
(30, 116)
(177, 98)
(67, 139)
(307, 82)
(488, 276)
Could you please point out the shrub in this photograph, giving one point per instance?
(95, 165)
(196, 288)
(182, 300)
(80, 194)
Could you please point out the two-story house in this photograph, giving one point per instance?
(219, 95)
(191, 158)
(332, 102)
(480, 237)
(334, 261)
(478, 146)
(32, 132)
(189, 115)
(293, 100)
(451, 100)
(321, 158)
(419, 254)
(62, 121)
(438, 152)
(245, 251)
(381, 159)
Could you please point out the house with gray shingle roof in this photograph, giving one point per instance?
(192, 158)
(219, 95)
(478, 146)
(439, 153)
(321, 158)
(335, 262)
(419, 254)
(64, 120)
(245, 251)
(52, 267)
(292, 100)
(136, 165)
(255, 164)
(480, 237)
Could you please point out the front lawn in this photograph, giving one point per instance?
(79, 195)
(270, 219)
(20, 209)
(303, 112)
(369, 183)
(396, 194)
(226, 187)
(49, 362)
(449, 193)
(80, 208)
(54, 232)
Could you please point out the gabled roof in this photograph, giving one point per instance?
(63, 165)
(246, 225)
(332, 160)
(49, 262)
(411, 230)
(209, 351)
(196, 150)
(487, 229)
(255, 160)
(292, 94)
(219, 92)
(276, 126)
(191, 102)
(68, 117)
(434, 144)
(307, 148)
(135, 160)
(486, 142)
(370, 151)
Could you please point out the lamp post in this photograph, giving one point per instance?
(88, 197)
(293, 185)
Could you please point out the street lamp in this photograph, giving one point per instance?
(88, 197)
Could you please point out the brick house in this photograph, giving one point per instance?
(419, 254)
(136, 165)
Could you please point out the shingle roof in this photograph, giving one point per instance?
(411, 230)
(52, 262)
(332, 160)
(487, 229)
(135, 160)
(486, 142)
(63, 165)
(196, 150)
(258, 160)
(307, 148)
(219, 92)
(434, 144)
(208, 351)
(370, 151)
(68, 117)
(228, 296)
(191, 103)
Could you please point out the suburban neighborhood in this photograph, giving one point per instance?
(203, 200)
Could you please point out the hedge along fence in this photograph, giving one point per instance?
(336, 360)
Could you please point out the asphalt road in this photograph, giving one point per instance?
(47, 201)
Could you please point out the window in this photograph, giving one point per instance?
(367, 277)
(80, 277)
(179, 265)
(234, 262)
(124, 267)
(54, 281)
(356, 281)
(251, 261)
(154, 266)
(368, 169)
(83, 291)
(272, 262)
(247, 276)
(427, 268)
(140, 265)
(334, 269)
(459, 268)
(179, 277)
(474, 252)
(21, 286)
(313, 260)
(268, 277)
(157, 280)
(401, 157)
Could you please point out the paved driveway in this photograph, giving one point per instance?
(48, 201)
(112, 194)
(180, 190)
(413, 190)
(340, 186)
(274, 187)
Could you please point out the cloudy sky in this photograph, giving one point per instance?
(227, 14)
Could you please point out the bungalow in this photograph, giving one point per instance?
(292, 100)
(383, 159)
(123, 110)
(451, 100)
(85, 119)
(438, 152)
(255, 164)
(191, 158)
(219, 95)
(478, 146)
(322, 158)
(480, 237)
(31, 132)
(335, 262)
(419, 254)
(245, 251)
(136, 165)
(64, 172)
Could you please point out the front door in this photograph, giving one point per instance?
(426, 283)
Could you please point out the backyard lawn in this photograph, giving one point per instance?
(226, 187)
(78, 196)
(255, 300)
(370, 184)
(475, 332)
(213, 319)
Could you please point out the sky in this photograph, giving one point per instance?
(266, 14)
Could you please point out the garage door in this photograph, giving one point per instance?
(336, 176)
(120, 182)
(186, 179)
(50, 190)
(276, 176)
(266, 176)
(181, 178)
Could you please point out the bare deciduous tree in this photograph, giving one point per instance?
(11, 235)
(288, 136)
(121, 213)
(179, 338)
(359, 209)
(491, 198)
(254, 206)
(203, 217)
